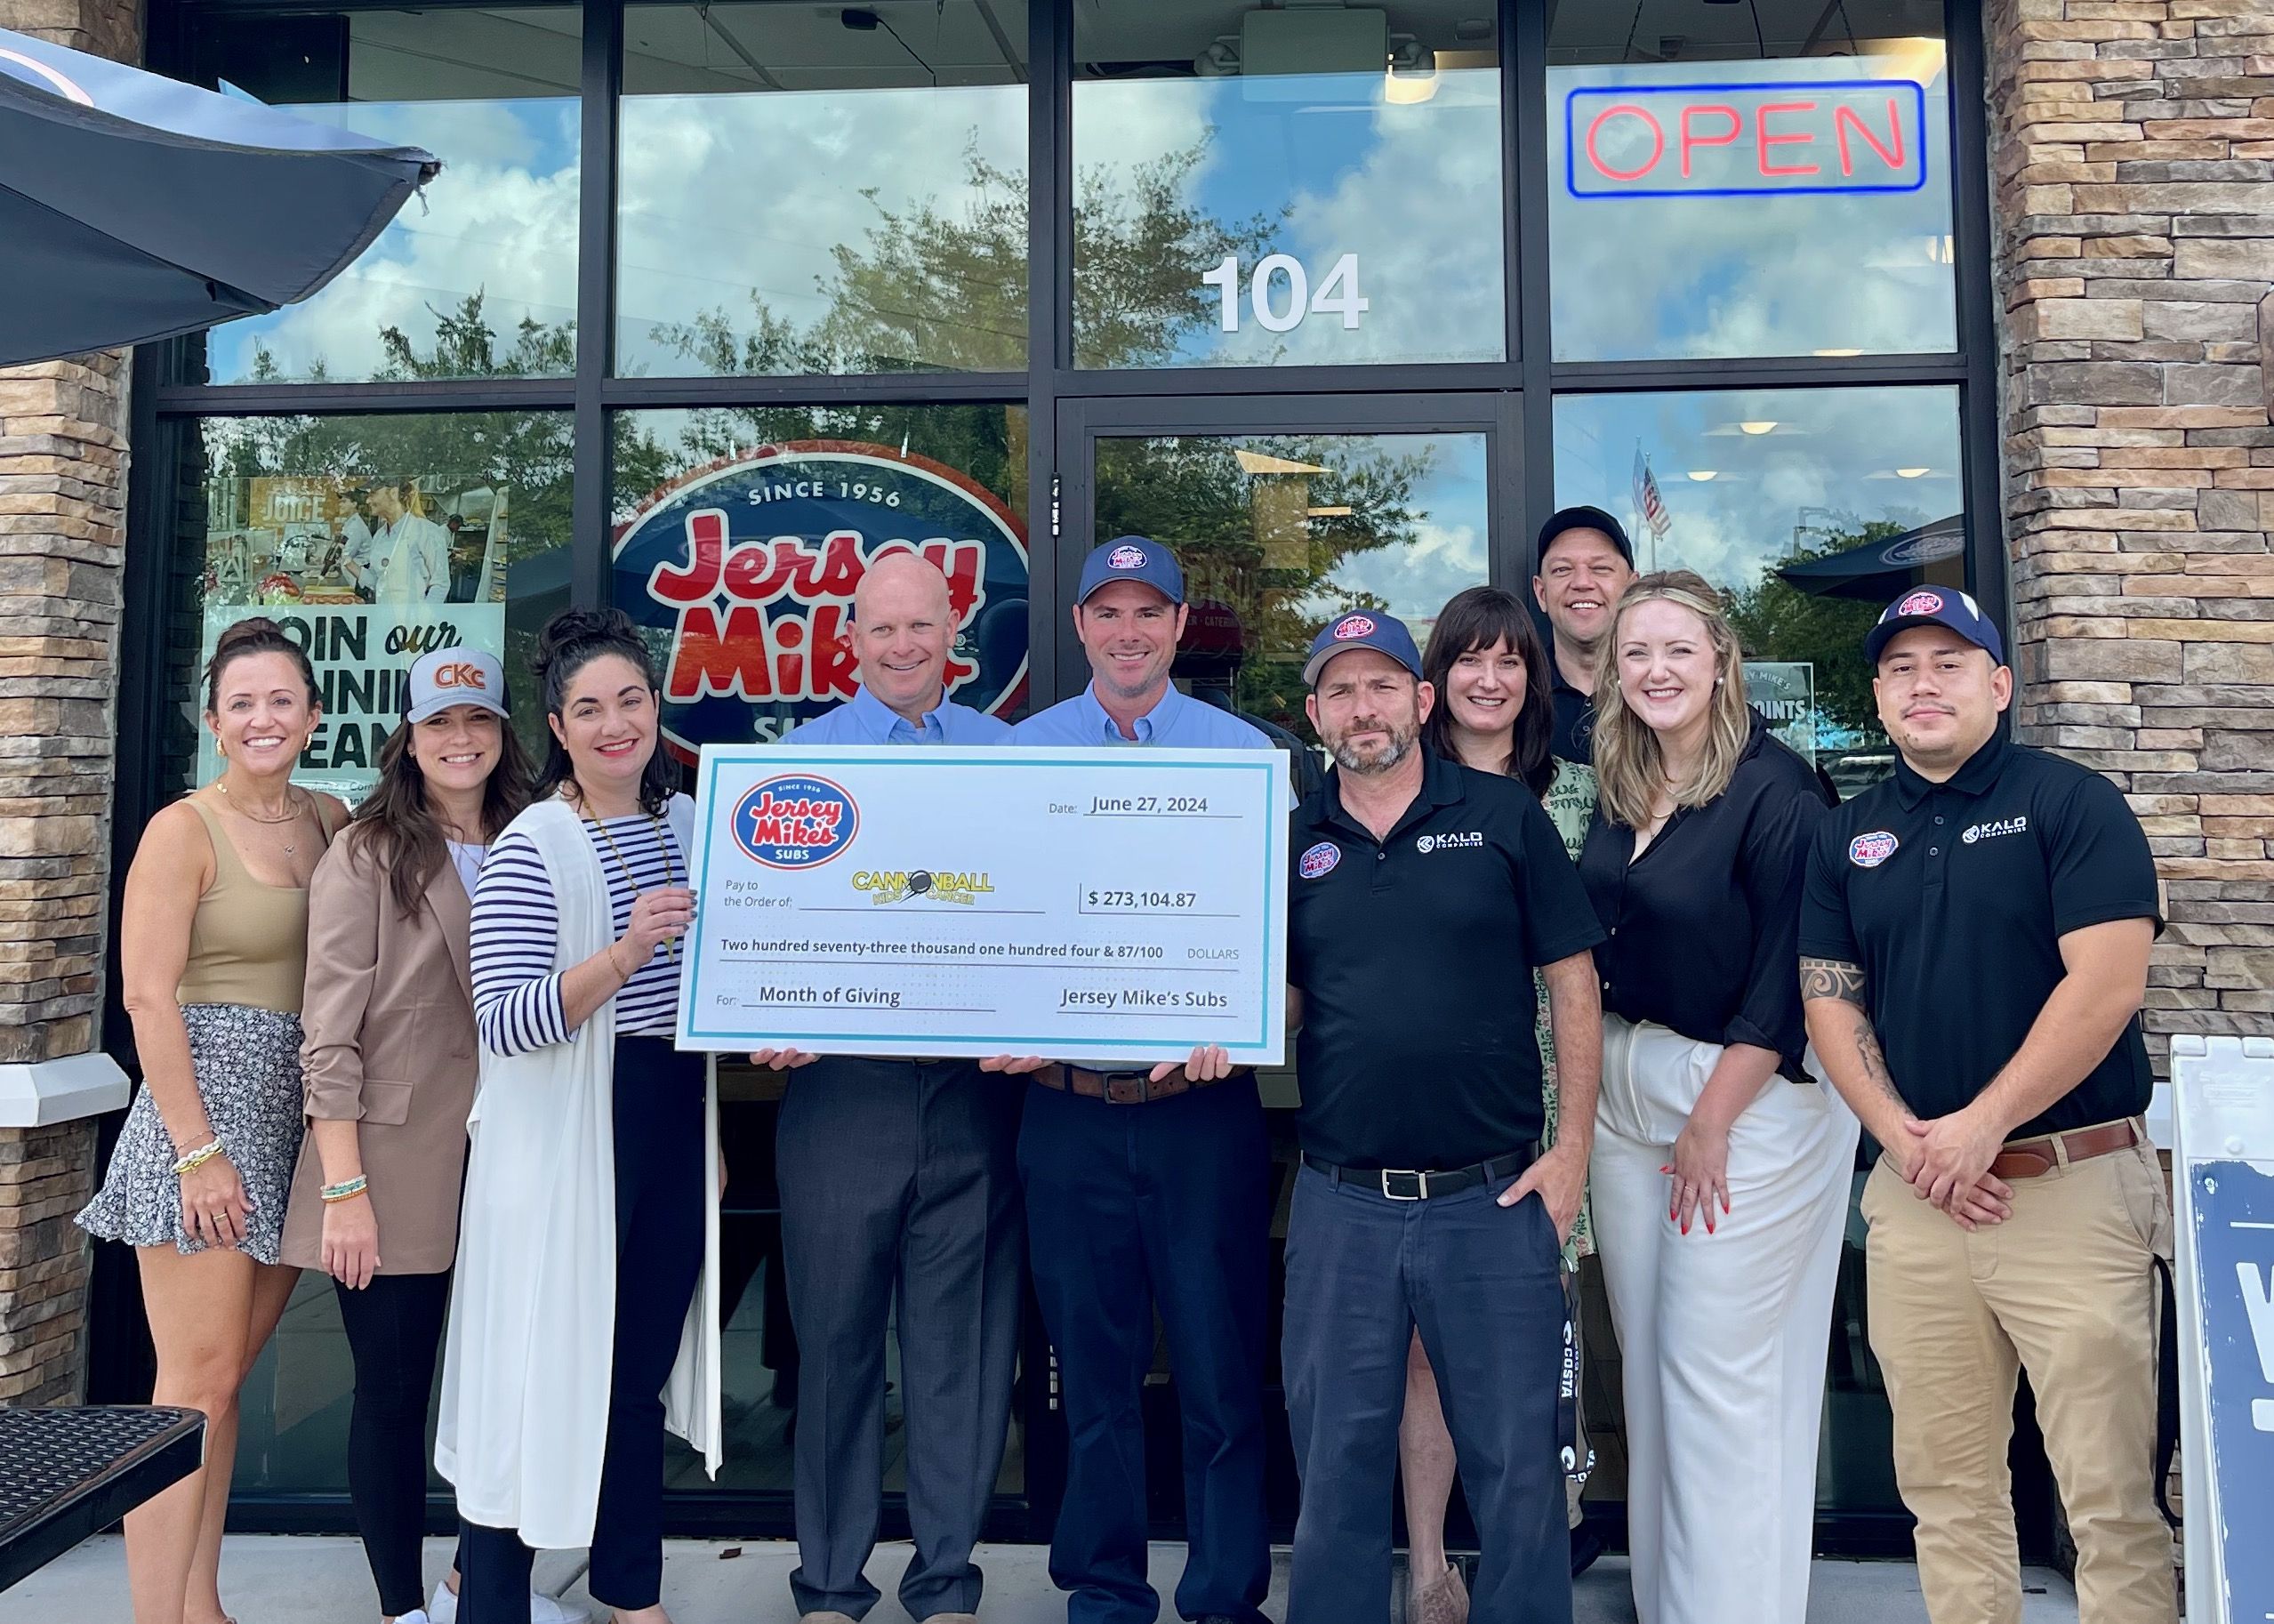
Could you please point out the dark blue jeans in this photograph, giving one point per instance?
(1483, 1282)
(659, 1174)
(1128, 1208)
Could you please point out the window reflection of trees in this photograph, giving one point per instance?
(1262, 526)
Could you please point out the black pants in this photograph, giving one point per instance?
(394, 1328)
(660, 1184)
(899, 1181)
(1483, 1284)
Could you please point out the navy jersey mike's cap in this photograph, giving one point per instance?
(1936, 606)
(1361, 629)
(1132, 558)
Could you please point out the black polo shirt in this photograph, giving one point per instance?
(1728, 874)
(1574, 736)
(1954, 897)
(1414, 956)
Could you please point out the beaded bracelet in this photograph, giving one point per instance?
(347, 1189)
(197, 1158)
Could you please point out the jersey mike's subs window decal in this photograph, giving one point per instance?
(742, 573)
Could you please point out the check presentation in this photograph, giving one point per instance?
(1116, 906)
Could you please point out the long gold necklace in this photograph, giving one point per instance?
(670, 869)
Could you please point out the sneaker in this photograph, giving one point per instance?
(827, 1617)
(416, 1615)
(442, 1608)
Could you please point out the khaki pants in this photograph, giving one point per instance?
(2064, 1289)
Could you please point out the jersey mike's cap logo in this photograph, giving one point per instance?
(1870, 850)
(1318, 860)
(795, 821)
(1920, 603)
(1125, 558)
(1353, 625)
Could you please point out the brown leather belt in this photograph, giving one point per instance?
(2031, 1158)
(1120, 1087)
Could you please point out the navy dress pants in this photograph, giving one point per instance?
(1483, 1282)
(660, 1191)
(899, 1182)
(1130, 1208)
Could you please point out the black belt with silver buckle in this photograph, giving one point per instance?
(1423, 1184)
(1120, 1087)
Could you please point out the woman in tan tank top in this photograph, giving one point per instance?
(213, 946)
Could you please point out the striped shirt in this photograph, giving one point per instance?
(517, 932)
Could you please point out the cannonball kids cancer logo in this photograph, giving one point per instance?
(742, 575)
(1870, 850)
(1353, 625)
(795, 821)
(1318, 860)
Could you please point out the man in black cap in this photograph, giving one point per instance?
(1974, 946)
(1420, 892)
(1585, 562)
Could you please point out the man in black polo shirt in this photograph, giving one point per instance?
(1974, 947)
(1422, 897)
(1585, 562)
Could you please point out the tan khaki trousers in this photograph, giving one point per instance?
(2065, 1289)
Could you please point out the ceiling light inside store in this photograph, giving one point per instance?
(1911, 473)
(1703, 474)
(1758, 425)
(1264, 463)
(1410, 89)
(1839, 352)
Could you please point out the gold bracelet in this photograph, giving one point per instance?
(197, 1158)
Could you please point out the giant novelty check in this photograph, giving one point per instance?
(1114, 907)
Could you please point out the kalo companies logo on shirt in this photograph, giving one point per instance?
(1991, 831)
(1426, 843)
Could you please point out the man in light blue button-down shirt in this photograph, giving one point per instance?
(905, 1171)
(1151, 1189)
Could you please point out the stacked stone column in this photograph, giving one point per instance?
(62, 533)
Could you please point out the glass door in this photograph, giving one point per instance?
(1283, 512)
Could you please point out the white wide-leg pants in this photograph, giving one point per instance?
(1724, 1337)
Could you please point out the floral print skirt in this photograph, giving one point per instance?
(247, 1066)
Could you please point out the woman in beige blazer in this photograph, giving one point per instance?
(388, 1062)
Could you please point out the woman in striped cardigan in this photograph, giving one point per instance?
(587, 1265)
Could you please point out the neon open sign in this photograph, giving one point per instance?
(1726, 141)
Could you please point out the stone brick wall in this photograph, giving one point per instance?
(2133, 176)
(62, 532)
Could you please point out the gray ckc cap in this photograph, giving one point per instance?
(447, 677)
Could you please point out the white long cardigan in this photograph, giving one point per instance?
(525, 1374)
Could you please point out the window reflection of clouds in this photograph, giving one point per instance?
(1826, 468)
(729, 202)
(499, 222)
(1413, 189)
(1755, 274)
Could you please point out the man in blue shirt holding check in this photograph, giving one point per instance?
(898, 1171)
(1149, 1187)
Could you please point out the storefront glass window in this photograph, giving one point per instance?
(1280, 534)
(1772, 179)
(740, 535)
(1299, 185)
(370, 540)
(477, 277)
(1811, 507)
(818, 190)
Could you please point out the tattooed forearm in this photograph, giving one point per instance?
(1832, 979)
(1874, 1062)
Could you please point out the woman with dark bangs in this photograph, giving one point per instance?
(1494, 714)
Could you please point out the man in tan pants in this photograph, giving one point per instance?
(1974, 946)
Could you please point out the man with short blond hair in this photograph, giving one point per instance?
(1974, 947)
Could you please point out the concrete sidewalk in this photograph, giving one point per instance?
(278, 1580)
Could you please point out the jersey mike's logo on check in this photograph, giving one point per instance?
(795, 821)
